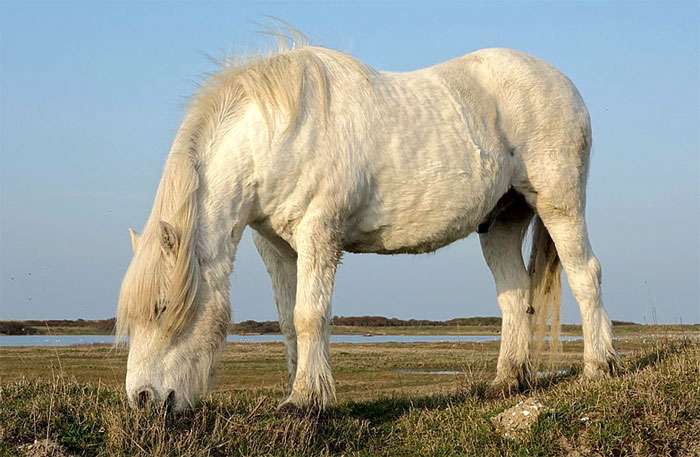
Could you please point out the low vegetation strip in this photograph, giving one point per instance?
(374, 322)
(57, 327)
(106, 326)
(652, 407)
(35, 327)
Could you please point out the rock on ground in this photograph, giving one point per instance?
(517, 421)
(44, 448)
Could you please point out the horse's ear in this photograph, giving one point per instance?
(169, 238)
(134, 235)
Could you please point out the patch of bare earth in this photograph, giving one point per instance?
(44, 448)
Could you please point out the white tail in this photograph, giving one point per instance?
(545, 287)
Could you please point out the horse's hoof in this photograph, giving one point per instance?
(503, 388)
(601, 370)
(289, 408)
(595, 372)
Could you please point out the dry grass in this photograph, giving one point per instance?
(651, 408)
(380, 369)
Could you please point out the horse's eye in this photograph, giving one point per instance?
(159, 309)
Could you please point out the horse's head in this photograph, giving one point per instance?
(175, 330)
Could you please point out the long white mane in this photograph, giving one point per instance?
(155, 288)
(287, 85)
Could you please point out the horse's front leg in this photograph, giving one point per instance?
(318, 253)
(281, 264)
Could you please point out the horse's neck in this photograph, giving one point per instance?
(223, 201)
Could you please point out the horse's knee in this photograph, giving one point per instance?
(514, 300)
(308, 322)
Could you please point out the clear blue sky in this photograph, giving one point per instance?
(91, 95)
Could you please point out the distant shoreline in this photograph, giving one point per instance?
(367, 325)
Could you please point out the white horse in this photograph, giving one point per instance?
(320, 154)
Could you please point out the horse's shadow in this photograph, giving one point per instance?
(388, 409)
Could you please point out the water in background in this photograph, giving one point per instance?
(73, 340)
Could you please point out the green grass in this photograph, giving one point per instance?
(652, 407)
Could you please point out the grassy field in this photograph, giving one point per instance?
(390, 403)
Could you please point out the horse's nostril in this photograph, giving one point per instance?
(170, 400)
(144, 397)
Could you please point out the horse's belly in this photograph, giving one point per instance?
(402, 240)
(419, 220)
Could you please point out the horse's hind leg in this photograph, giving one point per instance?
(282, 267)
(502, 249)
(568, 231)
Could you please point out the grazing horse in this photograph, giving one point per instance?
(320, 154)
